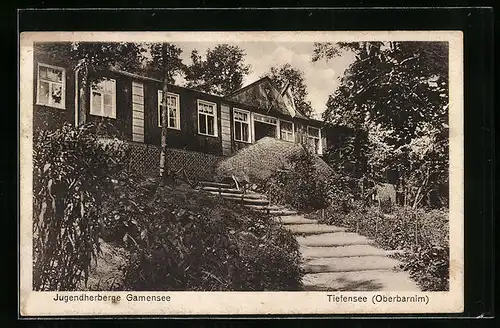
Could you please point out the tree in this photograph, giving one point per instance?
(97, 56)
(155, 66)
(166, 59)
(220, 73)
(286, 74)
(397, 93)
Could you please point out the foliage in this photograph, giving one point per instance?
(72, 171)
(222, 71)
(97, 56)
(421, 236)
(159, 63)
(298, 187)
(283, 75)
(397, 93)
(185, 240)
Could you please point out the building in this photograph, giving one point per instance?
(129, 105)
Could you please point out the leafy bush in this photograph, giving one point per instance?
(298, 187)
(180, 239)
(421, 235)
(72, 172)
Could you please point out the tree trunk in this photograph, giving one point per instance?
(84, 95)
(164, 114)
(418, 198)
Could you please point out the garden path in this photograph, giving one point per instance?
(334, 258)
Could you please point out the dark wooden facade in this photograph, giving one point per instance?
(132, 118)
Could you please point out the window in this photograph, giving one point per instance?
(51, 86)
(286, 130)
(241, 121)
(265, 119)
(314, 138)
(103, 98)
(207, 118)
(173, 110)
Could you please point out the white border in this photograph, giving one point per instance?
(190, 303)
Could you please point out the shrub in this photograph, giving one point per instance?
(421, 235)
(180, 239)
(72, 173)
(298, 187)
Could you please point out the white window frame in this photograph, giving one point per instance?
(92, 91)
(214, 115)
(320, 144)
(248, 122)
(293, 130)
(177, 110)
(265, 116)
(63, 89)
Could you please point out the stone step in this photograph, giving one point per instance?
(249, 201)
(347, 264)
(233, 193)
(372, 280)
(295, 219)
(216, 184)
(343, 251)
(271, 210)
(281, 212)
(313, 229)
(333, 239)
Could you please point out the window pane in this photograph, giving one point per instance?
(56, 94)
(237, 131)
(54, 75)
(286, 126)
(172, 123)
(43, 92)
(171, 118)
(172, 101)
(245, 132)
(206, 108)
(239, 116)
(202, 123)
(96, 103)
(108, 111)
(313, 132)
(211, 128)
(109, 86)
(108, 99)
(42, 70)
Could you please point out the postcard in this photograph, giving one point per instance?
(241, 173)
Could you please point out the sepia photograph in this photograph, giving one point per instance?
(314, 166)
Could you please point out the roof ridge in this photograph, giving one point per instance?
(248, 86)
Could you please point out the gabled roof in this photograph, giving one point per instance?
(264, 95)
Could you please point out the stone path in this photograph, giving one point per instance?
(337, 260)
(334, 259)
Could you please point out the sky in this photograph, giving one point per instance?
(321, 78)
